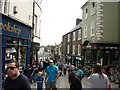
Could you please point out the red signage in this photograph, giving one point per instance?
(101, 47)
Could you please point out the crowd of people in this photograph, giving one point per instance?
(48, 73)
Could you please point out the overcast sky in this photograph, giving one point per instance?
(58, 18)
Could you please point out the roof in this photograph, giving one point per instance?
(84, 4)
(77, 27)
(89, 1)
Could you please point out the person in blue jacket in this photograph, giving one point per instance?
(39, 81)
(80, 71)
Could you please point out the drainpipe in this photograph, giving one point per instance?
(32, 31)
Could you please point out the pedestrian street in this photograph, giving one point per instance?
(63, 83)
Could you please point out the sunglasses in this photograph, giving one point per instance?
(11, 68)
(50, 62)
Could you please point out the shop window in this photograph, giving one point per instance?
(9, 40)
(11, 52)
(115, 56)
(15, 41)
(22, 57)
(25, 42)
(21, 42)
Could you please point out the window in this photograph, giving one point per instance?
(73, 36)
(0, 5)
(92, 8)
(73, 49)
(92, 28)
(79, 50)
(35, 25)
(15, 41)
(21, 42)
(85, 31)
(79, 34)
(68, 48)
(25, 42)
(9, 40)
(68, 37)
(86, 13)
(5, 6)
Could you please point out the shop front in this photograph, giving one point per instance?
(76, 60)
(34, 49)
(103, 53)
(108, 54)
(16, 42)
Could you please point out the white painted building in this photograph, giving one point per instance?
(20, 26)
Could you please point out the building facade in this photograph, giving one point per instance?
(72, 45)
(58, 53)
(16, 31)
(100, 33)
(36, 24)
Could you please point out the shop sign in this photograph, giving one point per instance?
(68, 57)
(8, 27)
(79, 58)
(107, 47)
(110, 47)
(94, 47)
(107, 51)
(101, 47)
(88, 46)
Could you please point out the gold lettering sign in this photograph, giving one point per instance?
(9, 28)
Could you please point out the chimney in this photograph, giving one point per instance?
(78, 21)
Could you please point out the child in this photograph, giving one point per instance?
(39, 81)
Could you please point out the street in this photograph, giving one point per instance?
(63, 83)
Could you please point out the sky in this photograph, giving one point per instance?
(58, 17)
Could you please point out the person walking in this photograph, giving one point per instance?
(41, 64)
(15, 80)
(80, 71)
(74, 79)
(65, 68)
(35, 71)
(39, 81)
(52, 74)
(98, 79)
